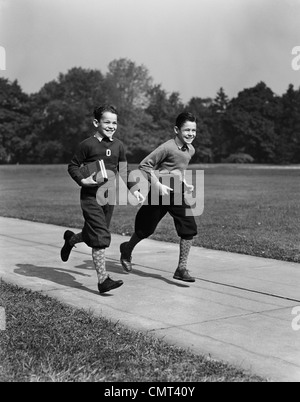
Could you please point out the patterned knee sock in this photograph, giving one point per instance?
(76, 238)
(132, 243)
(185, 247)
(99, 263)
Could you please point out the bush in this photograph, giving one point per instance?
(239, 158)
(49, 152)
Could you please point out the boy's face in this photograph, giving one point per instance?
(187, 133)
(107, 126)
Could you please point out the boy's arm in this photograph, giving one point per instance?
(124, 173)
(123, 168)
(76, 162)
(152, 161)
(188, 186)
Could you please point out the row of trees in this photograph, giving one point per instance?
(46, 127)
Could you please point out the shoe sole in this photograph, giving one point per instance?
(116, 286)
(178, 278)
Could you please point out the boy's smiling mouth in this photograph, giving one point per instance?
(109, 131)
(189, 139)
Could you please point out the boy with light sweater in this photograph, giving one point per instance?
(170, 160)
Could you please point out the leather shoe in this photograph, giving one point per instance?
(108, 285)
(126, 258)
(183, 275)
(67, 248)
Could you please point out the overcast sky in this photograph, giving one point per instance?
(190, 46)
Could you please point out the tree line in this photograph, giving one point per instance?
(46, 127)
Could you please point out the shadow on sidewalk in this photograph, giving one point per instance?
(57, 275)
(64, 277)
(115, 267)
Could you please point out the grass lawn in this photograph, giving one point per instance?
(47, 341)
(253, 211)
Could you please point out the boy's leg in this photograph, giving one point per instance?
(95, 232)
(185, 248)
(146, 222)
(96, 235)
(70, 240)
(98, 255)
(75, 239)
(126, 250)
(105, 283)
(182, 272)
(186, 229)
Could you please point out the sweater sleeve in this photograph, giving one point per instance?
(123, 168)
(76, 162)
(152, 162)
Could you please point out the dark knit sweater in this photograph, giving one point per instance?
(91, 150)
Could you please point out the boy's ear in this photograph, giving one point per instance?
(176, 129)
(96, 123)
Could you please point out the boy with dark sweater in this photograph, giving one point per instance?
(170, 160)
(97, 215)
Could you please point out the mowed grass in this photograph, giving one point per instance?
(255, 211)
(249, 210)
(46, 341)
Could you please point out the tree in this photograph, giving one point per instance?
(219, 141)
(249, 123)
(14, 122)
(63, 111)
(127, 86)
(163, 107)
(221, 101)
(201, 108)
(288, 127)
(47, 126)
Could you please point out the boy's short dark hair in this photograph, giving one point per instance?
(183, 118)
(99, 111)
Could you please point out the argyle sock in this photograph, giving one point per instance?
(185, 247)
(98, 255)
(76, 238)
(132, 243)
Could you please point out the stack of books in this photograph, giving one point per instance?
(97, 168)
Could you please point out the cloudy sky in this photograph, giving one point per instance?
(190, 46)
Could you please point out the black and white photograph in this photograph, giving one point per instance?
(149, 194)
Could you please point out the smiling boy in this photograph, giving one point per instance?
(169, 161)
(95, 233)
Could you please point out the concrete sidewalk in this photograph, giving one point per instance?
(239, 310)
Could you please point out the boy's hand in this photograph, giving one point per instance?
(190, 188)
(89, 181)
(139, 196)
(164, 190)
